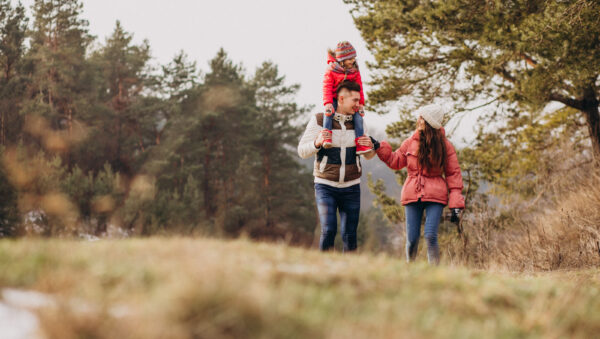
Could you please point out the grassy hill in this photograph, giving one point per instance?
(203, 288)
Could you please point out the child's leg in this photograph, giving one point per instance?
(328, 124)
(328, 116)
(359, 131)
(328, 121)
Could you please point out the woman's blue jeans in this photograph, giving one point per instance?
(414, 214)
(359, 130)
(331, 199)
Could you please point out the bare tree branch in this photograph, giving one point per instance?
(577, 104)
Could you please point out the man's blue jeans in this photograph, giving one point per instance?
(331, 199)
(414, 214)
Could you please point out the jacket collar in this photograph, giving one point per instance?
(342, 117)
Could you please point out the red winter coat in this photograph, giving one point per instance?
(427, 185)
(333, 79)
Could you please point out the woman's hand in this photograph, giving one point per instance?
(455, 217)
(375, 143)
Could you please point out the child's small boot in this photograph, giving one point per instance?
(327, 143)
(360, 149)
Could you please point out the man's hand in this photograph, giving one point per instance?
(325, 134)
(365, 141)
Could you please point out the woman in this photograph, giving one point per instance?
(433, 170)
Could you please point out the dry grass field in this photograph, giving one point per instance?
(205, 288)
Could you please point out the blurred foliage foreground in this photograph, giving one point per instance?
(198, 288)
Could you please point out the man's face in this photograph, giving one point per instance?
(348, 101)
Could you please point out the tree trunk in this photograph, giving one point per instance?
(117, 157)
(206, 184)
(157, 138)
(5, 107)
(2, 129)
(593, 123)
(592, 117)
(588, 105)
(70, 121)
(266, 188)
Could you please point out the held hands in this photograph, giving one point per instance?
(325, 134)
(455, 217)
(365, 141)
(365, 147)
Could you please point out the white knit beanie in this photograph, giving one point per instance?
(433, 114)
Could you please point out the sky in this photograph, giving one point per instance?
(293, 34)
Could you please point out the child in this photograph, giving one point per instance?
(342, 66)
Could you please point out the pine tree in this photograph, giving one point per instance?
(59, 42)
(524, 54)
(205, 135)
(176, 83)
(273, 131)
(60, 84)
(123, 67)
(225, 106)
(13, 28)
(172, 161)
(9, 213)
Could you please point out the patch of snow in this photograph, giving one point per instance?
(17, 323)
(296, 268)
(114, 231)
(27, 299)
(34, 300)
(33, 221)
(88, 237)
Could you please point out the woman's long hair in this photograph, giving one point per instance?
(432, 148)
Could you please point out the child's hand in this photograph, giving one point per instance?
(329, 109)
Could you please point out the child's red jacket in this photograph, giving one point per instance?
(334, 77)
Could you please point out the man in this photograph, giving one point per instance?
(337, 170)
